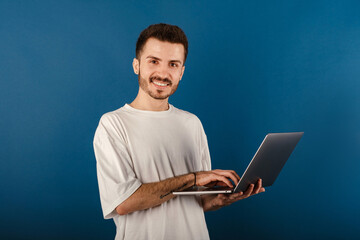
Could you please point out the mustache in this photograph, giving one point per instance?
(160, 79)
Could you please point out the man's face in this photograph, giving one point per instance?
(160, 68)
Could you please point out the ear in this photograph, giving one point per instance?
(182, 72)
(136, 66)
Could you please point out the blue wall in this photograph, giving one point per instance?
(253, 67)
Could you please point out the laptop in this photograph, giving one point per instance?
(266, 164)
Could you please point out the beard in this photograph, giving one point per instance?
(157, 94)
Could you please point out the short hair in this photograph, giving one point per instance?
(163, 32)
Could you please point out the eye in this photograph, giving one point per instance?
(175, 65)
(153, 61)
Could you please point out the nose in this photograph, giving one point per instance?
(163, 71)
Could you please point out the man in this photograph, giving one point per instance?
(147, 149)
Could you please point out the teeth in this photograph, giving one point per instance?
(160, 84)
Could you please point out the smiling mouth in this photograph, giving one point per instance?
(160, 84)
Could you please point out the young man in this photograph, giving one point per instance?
(147, 149)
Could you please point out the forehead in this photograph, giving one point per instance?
(163, 50)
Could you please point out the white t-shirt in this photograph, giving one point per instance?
(133, 147)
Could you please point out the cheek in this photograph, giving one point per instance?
(144, 72)
(176, 74)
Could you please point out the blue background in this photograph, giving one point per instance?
(253, 67)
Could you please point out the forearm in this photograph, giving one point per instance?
(153, 194)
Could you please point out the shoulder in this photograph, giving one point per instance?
(111, 123)
(183, 113)
(187, 116)
(113, 117)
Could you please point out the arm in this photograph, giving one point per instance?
(215, 202)
(153, 194)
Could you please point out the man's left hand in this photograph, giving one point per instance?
(214, 202)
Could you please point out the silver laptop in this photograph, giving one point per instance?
(266, 164)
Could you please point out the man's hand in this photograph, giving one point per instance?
(216, 177)
(149, 195)
(214, 202)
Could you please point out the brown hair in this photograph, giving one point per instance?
(163, 32)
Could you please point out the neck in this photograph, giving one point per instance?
(144, 102)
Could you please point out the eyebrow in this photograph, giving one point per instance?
(159, 59)
(156, 58)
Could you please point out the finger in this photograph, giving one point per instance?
(220, 184)
(262, 189)
(211, 184)
(240, 197)
(233, 177)
(223, 179)
(258, 187)
(234, 196)
(234, 173)
(230, 174)
(211, 178)
(238, 177)
(249, 190)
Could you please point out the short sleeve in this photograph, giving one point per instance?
(204, 151)
(116, 178)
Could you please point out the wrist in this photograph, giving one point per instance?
(208, 203)
(194, 173)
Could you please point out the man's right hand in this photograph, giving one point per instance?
(149, 195)
(217, 177)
